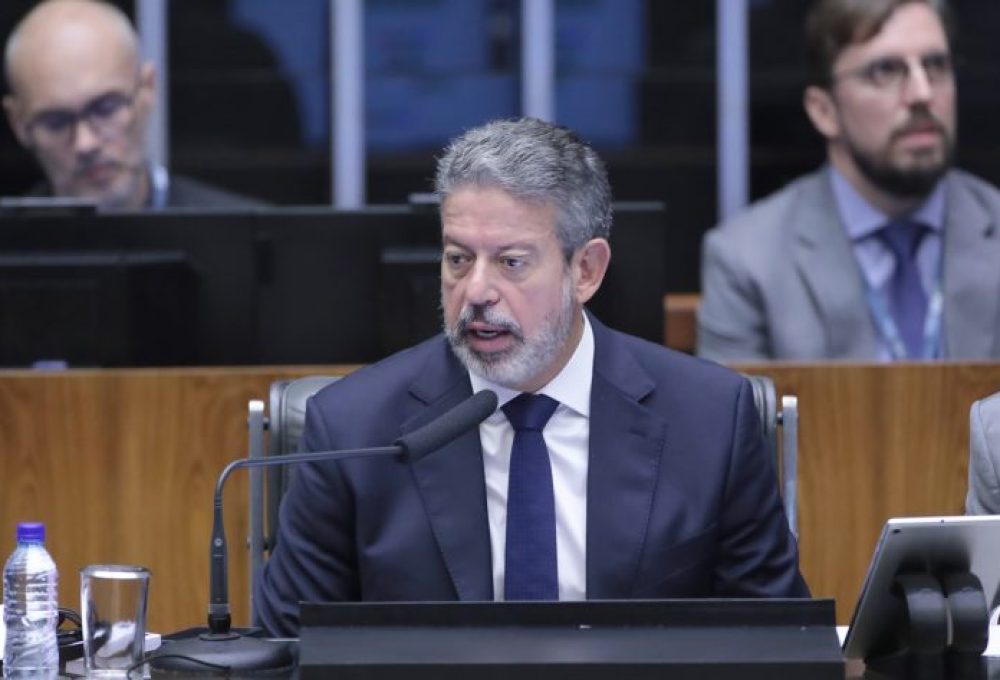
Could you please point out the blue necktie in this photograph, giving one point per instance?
(530, 559)
(907, 299)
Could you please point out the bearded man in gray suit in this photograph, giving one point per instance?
(885, 253)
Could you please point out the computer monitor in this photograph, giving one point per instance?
(128, 289)
(306, 285)
(97, 308)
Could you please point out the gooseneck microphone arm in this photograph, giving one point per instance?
(222, 650)
(219, 617)
(425, 439)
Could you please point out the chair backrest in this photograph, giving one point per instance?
(784, 449)
(286, 420)
(284, 423)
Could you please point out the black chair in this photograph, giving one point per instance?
(786, 448)
(283, 424)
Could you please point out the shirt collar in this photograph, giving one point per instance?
(861, 219)
(159, 186)
(570, 387)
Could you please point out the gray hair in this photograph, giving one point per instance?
(535, 162)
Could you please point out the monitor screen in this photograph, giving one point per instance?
(97, 308)
(304, 285)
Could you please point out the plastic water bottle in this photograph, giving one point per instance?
(31, 607)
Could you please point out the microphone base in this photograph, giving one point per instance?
(222, 655)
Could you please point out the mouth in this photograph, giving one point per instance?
(485, 331)
(488, 338)
(921, 130)
(97, 173)
(920, 138)
(921, 126)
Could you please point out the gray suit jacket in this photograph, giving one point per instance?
(780, 280)
(984, 457)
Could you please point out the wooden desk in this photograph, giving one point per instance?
(121, 465)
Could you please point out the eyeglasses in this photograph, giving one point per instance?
(892, 73)
(107, 115)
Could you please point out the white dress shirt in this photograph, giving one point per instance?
(567, 437)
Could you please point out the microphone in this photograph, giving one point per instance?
(222, 649)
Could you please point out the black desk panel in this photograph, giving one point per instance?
(679, 639)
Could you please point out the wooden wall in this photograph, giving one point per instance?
(121, 465)
(875, 442)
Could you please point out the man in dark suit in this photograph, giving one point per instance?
(80, 100)
(652, 480)
(887, 252)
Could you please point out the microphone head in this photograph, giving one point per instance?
(450, 425)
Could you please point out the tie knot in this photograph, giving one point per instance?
(903, 237)
(530, 411)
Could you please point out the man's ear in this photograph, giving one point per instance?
(822, 111)
(16, 118)
(146, 94)
(590, 264)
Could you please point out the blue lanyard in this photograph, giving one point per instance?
(890, 332)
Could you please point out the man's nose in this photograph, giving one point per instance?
(918, 88)
(480, 286)
(85, 140)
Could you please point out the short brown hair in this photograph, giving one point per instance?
(833, 25)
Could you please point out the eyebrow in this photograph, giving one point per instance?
(522, 245)
(74, 109)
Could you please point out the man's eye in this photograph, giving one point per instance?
(455, 259)
(106, 107)
(937, 65)
(56, 121)
(887, 70)
(512, 262)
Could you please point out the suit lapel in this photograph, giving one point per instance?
(626, 443)
(451, 483)
(971, 275)
(825, 262)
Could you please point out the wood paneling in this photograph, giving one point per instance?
(875, 442)
(121, 466)
(680, 321)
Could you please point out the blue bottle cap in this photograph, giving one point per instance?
(30, 531)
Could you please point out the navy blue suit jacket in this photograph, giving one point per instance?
(682, 500)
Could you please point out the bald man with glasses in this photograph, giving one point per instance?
(80, 100)
(886, 253)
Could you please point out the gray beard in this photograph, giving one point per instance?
(528, 357)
